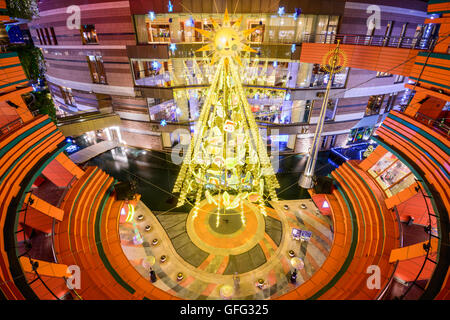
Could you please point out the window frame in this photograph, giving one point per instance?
(83, 39)
(96, 67)
(52, 32)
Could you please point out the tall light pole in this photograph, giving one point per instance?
(332, 60)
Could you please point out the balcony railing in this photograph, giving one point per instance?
(379, 41)
(11, 126)
(27, 248)
(438, 124)
(429, 229)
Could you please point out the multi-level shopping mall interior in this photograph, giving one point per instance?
(224, 150)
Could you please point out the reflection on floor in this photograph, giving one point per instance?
(209, 271)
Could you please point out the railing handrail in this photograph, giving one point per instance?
(428, 229)
(26, 253)
(438, 123)
(391, 278)
(61, 199)
(420, 43)
(6, 128)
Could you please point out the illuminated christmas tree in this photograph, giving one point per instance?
(226, 161)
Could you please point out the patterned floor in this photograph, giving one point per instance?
(208, 270)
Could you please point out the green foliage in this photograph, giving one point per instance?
(44, 104)
(23, 9)
(31, 59)
(33, 65)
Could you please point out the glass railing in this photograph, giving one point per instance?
(26, 248)
(382, 294)
(439, 124)
(380, 41)
(418, 286)
(11, 126)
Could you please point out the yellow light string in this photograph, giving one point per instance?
(242, 213)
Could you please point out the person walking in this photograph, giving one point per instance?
(236, 281)
(294, 276)
(152, 275)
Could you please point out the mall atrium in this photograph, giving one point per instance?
(224, 150)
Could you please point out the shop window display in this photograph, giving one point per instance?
(306, 28)
(320, 77)
(374, 105)
(402, 185)
(393, 174)
(88, 34)
(358, 135)
(258, 34)
(152, 73)
(331, 109)
(384, 162)
(97, 69)
(159, 32)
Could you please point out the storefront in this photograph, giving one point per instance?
(391, 174)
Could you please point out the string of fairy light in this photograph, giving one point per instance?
(226, 162)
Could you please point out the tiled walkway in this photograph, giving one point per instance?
(92, 151)
(209, 269)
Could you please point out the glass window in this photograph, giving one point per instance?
(39, 36)
(159, 33)
(331, 109)
(286, 30)
(52, 31)
(153, 73)
(399, 78)
(391, 101)
(333, 141)
(402, 185)
(163, 111)
(383, 74)
(258, 34)
(49, 41)
(68, 96)
(374, 105)
(367, 133)
(42, 36)
(97, 69)
(305, 28)
(308, 107)
(88, 34)
(320, 77)
(321, 29)
(324, 142)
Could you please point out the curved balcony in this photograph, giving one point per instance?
(426, 152)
